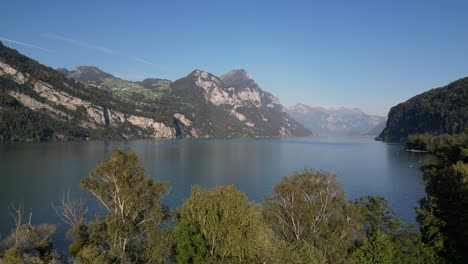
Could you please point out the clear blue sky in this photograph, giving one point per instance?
(367, 54)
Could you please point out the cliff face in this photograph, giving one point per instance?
(437, 111)
(39, 89)
(101, 105)
(236, 108)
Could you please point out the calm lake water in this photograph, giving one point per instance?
(38, 174)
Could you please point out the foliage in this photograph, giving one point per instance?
(387, 239)
(443, 213)
(219, 226)
(448, 148)
(40, 124)
(437, 111)
(310, 207)
(134, 218)
(19, 123)
(28, 243)
(155, 84)
(306, 220)
(153, 98)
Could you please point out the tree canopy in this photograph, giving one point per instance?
(443, 212)
(437, 111)
(306, 219)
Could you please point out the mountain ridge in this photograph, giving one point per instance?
(436, 111)
(340, 121)
(104, 106)
(85, 73)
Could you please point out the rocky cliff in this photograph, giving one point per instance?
(76, 107)
(237, 108)
(90, 103)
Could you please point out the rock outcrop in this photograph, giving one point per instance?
(239, 96)
(88, 102)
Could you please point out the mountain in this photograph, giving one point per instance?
(335, 121)
(232, 105)
(377, 129)
(40, 103)
(238, 79)
(437, 111)
(85, 73)
(240, 108)
(143, 93)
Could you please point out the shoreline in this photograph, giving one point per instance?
(417, 151)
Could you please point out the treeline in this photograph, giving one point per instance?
(437, 111)
(306, 219)
(19, 123)
(449, 145)
(443, 213)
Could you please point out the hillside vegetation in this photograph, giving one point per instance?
(443, 212)
(40, 103)
(438, 111)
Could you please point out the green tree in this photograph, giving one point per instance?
(443, 213)
(310, 207)
(221, 226)
(387, 239)
(133, 228)
(28, 243)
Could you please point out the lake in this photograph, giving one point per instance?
(38, 174)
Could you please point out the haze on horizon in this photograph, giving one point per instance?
(370, 55)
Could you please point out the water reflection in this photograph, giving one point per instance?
(39, 173)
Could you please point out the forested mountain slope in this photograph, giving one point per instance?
(437, 111)
(41, 103)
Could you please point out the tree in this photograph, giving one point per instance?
(28, 243)
(134, 219)
(310, 207)
(443, 213)
(387, 239)
(220, 226)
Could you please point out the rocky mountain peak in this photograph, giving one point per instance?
(198, 105)
(64, 71)
(236, 75)
(202, 76)
(299, 107)
(238, 79)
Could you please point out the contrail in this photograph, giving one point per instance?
(80, 43)
(143, 61)
(24, 44)
(97, 48)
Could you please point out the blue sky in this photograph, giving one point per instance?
(366, 54)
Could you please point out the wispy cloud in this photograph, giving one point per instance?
(24, 44)
(79, 43)
(143, 61)
(95, 47)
